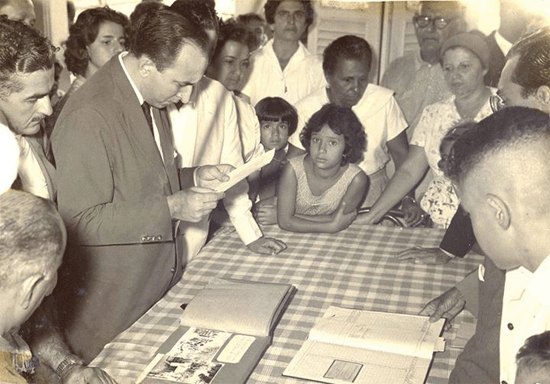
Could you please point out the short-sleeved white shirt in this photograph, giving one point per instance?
(302, 75)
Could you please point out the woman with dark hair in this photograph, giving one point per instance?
(346, 65)
(228, 65)
(97, 35)
(284, 67)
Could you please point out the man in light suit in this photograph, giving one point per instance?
(119, 191)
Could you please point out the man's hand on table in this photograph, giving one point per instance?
(424, 255)
(80, 374)
(267, 246)
(446, 306)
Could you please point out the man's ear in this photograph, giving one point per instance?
(145, 66)
(499, 211)
(29, 291)
(543, 95)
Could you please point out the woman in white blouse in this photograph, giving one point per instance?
(284, 67)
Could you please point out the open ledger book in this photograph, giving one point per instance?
(224, 331)
(356, 346)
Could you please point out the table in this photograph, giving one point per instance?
(354, 268)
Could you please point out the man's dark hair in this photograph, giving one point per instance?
(84, 32)
(249, 18)
(32, 236)
(277, 109)
(272, 5)
(162, 34)
(503, 129)
(342, 121)
(534, 355)
(232, 30)
(142, 9)
(198, 11)
(533, 66)
(23, 50)
(348, 47)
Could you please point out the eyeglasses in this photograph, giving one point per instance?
(439, 22)
(496, 103)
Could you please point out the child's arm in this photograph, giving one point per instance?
(290, 221)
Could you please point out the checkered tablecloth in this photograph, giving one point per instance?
(355, 268)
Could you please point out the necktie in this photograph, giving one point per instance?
(147, 112)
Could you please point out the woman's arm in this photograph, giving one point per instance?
(399, 148)
(405, 178)
(340, 219)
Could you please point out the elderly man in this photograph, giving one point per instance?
(417, 78)
(32, 240)
(119, 191)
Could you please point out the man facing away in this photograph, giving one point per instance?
(501, 171)
(120, 193)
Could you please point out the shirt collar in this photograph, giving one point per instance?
(134, 86)
(540, 282)
(503, 44)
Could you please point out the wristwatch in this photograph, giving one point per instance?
(66, 363)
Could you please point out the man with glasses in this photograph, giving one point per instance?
(417, 78)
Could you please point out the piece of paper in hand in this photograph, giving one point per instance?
(244, 171)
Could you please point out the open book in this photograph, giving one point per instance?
(224, 331)
(355, 346)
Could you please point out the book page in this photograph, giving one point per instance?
(243, 172)
(391, 332)
(330, 363)
(238, 306)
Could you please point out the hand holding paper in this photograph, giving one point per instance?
(238, 174)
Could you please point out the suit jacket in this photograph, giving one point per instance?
(496, 63)
(123, 246)
(479, 362)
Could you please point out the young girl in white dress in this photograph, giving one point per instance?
(321, 190)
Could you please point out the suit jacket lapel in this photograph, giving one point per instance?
(134, 123)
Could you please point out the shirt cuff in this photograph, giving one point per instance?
(247, 228)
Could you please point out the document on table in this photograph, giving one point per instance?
(244, 171)
(356, 346)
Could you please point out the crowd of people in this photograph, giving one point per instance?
(106, 195)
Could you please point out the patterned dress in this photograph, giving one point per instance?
(328, 201)
(440, 200)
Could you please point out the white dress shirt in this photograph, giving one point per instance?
(30, 173)
(525, 312)
(205, 133)
(302, 75)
